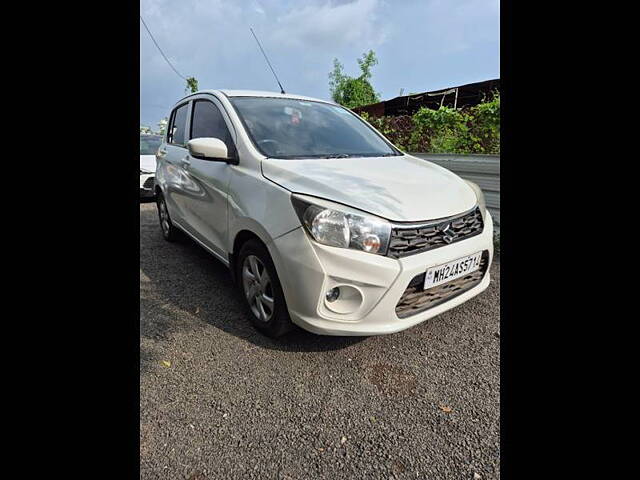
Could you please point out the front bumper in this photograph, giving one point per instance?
(147, 185)
(307, 270)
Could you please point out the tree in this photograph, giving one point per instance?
(192, 85)
(162, 126)
(354, 91)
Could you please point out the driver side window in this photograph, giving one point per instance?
(207, 121)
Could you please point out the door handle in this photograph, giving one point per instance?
(186, 162)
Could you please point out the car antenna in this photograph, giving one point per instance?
(267, 59)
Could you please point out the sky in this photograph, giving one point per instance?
(421, 45)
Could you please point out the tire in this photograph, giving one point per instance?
(267, 308)
(169, 232)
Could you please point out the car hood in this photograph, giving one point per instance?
(400, 189)
(148, 163)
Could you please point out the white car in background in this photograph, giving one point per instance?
(148, 147)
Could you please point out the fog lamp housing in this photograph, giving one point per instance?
(333, 294)
(344, 299)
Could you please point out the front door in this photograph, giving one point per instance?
(207, 206)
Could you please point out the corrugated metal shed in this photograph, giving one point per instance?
(456, 97)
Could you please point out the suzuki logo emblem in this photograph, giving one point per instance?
(447, 235)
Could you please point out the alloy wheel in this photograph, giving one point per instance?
(257, 288)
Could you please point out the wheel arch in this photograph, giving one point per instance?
(240, 238)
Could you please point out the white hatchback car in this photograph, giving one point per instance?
(149, 144)
(321, 220)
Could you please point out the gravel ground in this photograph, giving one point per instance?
(219, 400)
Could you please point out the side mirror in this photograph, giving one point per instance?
(208, 148)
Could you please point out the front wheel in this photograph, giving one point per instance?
(262, 290)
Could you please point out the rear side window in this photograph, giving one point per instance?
(178, 127)
(207, 121)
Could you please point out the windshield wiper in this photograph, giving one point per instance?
(336, 155)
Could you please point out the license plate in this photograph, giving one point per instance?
(452, 270)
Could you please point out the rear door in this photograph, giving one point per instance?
(207, 209)
(172, 160)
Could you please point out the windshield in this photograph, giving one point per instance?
(149, 144)
(288, 128)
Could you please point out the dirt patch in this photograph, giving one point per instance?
(398, 467)
(197, 475)
(392, 380)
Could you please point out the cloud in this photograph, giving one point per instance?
(331, 25)
(421, 45)
(258, 8)
(457, 25)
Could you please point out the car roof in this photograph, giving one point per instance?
(258, 93)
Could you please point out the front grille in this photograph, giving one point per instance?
(415, 299)
(411, 239)
(148, 183)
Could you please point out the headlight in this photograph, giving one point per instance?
(479, 196)
(344, 229)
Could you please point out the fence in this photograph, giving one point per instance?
(481, 169)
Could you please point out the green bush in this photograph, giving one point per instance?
(446, 130)
(485, 125)
(398, 129)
